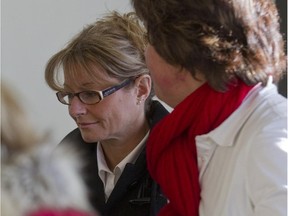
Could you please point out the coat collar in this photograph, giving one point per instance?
(236, 121)
(207, 143)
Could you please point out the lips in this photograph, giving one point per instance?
(85, 124)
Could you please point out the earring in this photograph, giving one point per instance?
(139, 100)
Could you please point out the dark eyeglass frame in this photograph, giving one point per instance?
(102, 94)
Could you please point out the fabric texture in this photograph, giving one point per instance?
(244, 160)
(171, 148)
(43, 176)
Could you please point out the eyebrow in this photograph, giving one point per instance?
(67, 86)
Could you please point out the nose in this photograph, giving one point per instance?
(76, 108)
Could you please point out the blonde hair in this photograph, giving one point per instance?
(17, 132)
(115, 43)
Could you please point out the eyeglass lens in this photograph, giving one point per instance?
(90, 97)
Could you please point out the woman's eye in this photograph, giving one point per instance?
(69, 95)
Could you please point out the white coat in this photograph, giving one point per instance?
(243, 162)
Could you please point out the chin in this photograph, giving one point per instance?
(89, 139)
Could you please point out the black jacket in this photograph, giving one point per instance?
(135, 193)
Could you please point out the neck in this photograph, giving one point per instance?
(186, 85)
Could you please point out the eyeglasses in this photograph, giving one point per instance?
(90, 97)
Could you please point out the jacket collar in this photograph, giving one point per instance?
(235, 122)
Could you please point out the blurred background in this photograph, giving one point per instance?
(33, 30)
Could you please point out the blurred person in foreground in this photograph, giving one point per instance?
(37, 178)
(102, 77)
(224, 146)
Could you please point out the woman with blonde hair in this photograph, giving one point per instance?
(101, 76)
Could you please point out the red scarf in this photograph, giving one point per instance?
(171, 148)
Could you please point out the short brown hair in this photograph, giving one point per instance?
(221, 39)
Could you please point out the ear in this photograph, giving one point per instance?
(143, 84)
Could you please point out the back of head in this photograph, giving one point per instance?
(17, 132)
(223, 39)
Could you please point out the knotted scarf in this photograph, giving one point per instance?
(171, 148)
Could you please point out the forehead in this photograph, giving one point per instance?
(76, 75)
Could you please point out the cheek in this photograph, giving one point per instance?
(115, 113)
(161, 81)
